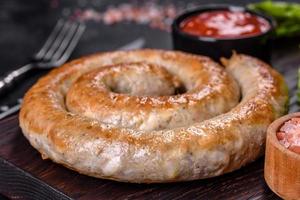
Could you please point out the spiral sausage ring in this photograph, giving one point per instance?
(153, 115)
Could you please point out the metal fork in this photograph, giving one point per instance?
(8, 110)
(56, 50)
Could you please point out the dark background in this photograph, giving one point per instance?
(25, 24)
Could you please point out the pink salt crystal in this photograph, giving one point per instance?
(90, 14)
(280, 135)
(289, 135)
(171, 11)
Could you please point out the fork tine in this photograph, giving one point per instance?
(71, 45)
(60, 37)
(49, 40)
(68, 37)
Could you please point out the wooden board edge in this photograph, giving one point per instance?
(16, 183)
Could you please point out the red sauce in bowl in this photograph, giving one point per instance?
(289, 134)
(225, 24)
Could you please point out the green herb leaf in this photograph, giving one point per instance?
(287, 16)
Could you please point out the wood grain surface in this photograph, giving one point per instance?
(282, 172)
(43, 179)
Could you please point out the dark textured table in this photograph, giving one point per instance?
(23, 27)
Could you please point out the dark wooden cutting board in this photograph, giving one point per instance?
(24, 174)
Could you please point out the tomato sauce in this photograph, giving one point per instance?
(225, 24)
(289, 134)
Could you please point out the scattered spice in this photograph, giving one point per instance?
(153, 15)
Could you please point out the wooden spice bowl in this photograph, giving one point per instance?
(282, 166)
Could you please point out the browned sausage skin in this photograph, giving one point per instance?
(220, 136)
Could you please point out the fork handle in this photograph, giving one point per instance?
(10, 79)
